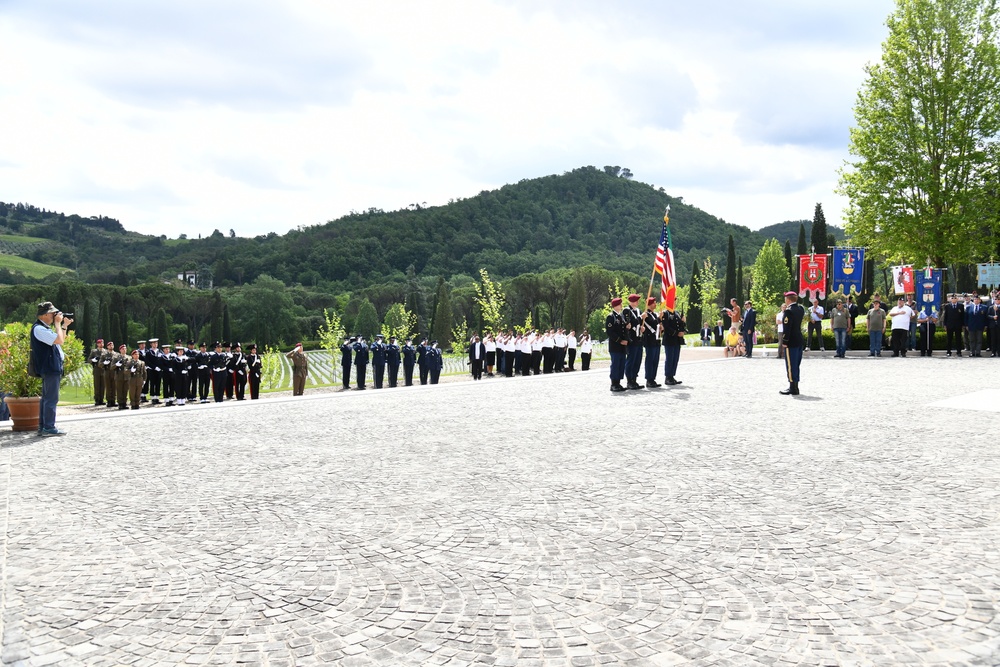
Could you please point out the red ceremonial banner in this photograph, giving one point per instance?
(812, 275)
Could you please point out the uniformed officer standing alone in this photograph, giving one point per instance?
(791, 335)
(300, 369)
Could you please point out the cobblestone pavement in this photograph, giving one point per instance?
(528, 521)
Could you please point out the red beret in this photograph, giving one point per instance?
(790, 293)
(634, 297)
(616, 302)
(650, 301)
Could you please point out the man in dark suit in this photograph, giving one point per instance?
(975, 322)
(435, 362)
(618, 342)
(706, 335)
(718, 334)
(953, 318)
(748, 328)
(993, 326)
(791, 335)
(477, 355)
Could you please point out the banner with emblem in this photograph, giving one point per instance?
(848, 269)
(988, 275)
(902, 279)
(929, 290)
(812, 275)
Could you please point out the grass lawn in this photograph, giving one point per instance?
(29, 268)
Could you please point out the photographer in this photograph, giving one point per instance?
(47, 336)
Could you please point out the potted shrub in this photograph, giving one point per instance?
(23, 390)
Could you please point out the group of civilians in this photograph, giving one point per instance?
(971, 323)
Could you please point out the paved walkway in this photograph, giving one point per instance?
(527, 521)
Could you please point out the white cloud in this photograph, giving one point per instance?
(262, 116)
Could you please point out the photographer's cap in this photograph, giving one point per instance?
(46, 307)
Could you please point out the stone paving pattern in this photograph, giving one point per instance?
(526, 521)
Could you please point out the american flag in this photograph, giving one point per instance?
(664, 265)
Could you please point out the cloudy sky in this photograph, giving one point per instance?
(264, 115)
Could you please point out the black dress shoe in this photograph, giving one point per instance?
(617, 387)
(652, 384)
(670, 381)
(676, 381)
(632, 384)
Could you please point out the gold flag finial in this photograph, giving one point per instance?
(666, 215)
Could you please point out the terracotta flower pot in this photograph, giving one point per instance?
(23, 412)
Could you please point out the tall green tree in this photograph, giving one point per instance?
(694, 299)
(788, 259)
(731, 277)
(769, 276)
(366, 323)
(104, 320)
(416, 300)
(575, 313)
(265, 312)
(740, 283)
(922, 182)
(227, 325)
(818, 236)
(441, 331)
(399, 322)
(708, 288)
(161, 328)
(491, 301)
(216, 321)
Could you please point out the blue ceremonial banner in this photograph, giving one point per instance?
(848, 269)
(928, 290)
(988, 275)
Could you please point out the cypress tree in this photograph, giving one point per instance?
(739, 283)
(575, 316)
(104, 322)
(441, 330)
(819, 239)
(216, 323)
(788, 259)
(86, 330)
(802, 248)
(694, 298)
(161, 327)
(115, 326)
(227, 326)
(731, 288)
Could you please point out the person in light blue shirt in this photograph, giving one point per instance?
(47, 336)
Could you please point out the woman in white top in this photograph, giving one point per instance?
(491, 354)
(778, 321)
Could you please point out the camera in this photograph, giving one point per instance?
(71, 316)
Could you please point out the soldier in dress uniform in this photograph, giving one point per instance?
(238, 367)
(219, 372)
(203, 372)
(791, 334)
(167, 375)
(136, 371)
(409, 360)
(360, 362)
(191, 353)
(422, 360)
(182, 373)
(107, 362)
(153, 358)
(230, 383)
(392, 361)
(300, 369)
(254, 370)
(434, 362)
(94, 359)
(633, 357)
(377, 349)
(346, 357)
(122, 359)
(617, 333)
(141, 345)
(673, 327)
(651, 343)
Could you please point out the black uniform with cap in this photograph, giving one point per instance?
(219, 372)
(254, 370)
(203, 371)
(238, 369)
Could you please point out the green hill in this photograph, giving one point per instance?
(789, 231)
(586, 216)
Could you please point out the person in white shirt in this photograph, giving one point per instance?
(779, 320)
(901, 316)
(815, 325)
(491, 354)
(586, 349)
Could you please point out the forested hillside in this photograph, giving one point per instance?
(555, 243)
